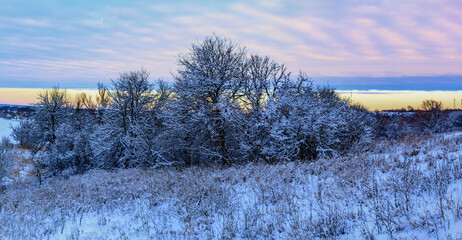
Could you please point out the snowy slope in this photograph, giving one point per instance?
(410, 189)
(5, 129)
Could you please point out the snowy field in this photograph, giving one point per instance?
(410, 189)
(5, 129)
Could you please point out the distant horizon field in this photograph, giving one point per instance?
(397, 99)
(373, 99)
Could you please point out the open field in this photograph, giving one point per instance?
(409, 189)
(5, 127)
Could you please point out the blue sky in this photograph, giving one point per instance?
(394, 45)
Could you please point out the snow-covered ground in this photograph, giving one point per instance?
(5, 127)
(410, 189)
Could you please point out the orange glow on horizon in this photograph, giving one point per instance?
(372, 99)
(384, 100)
(28, 96)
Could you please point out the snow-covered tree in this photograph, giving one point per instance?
(127, 134)
(71, 152)
(59, 133)
(261, 83)
(28, 134)
(207, 88)
(51, 105)
(39, 130)
(307, 123)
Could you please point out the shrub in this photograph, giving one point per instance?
(5, 151)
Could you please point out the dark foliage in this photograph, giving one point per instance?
(429, 118)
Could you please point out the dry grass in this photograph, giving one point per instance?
(401, 189)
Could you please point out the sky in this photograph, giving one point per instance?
(348, 44)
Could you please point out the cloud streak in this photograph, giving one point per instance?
(60, 42)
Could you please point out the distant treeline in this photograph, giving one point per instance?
(16, 111)
(431, 117)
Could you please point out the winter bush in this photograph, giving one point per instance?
(27, 133)
(455, 119)
(5, 155)
(131, 122)
(71, 153)
(308, 123)
(394, 126)
(59, 133)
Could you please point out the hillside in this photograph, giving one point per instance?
(402, 189)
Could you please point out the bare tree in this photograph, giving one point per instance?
(262, 79)
(51, 103)
(131, 97)
(82, 100)
(432, 116)
(103, 96)
(430, 105)
(163, 92)
(128, 118)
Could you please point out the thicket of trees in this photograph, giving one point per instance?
(225, 107)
